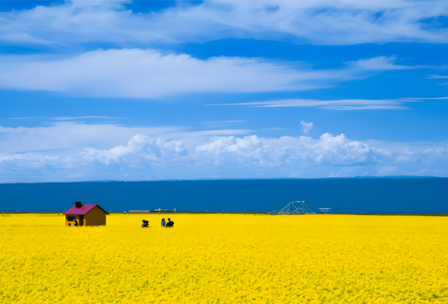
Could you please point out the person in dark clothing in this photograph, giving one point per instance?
(170, 223)
(145, 224)
(75, 223)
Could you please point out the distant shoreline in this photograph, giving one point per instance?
(235, 213)
(233, 179)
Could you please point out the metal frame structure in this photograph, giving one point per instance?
(325, 210)
(295, 207)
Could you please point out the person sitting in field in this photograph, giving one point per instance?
(170, 223)
(145, 224)
(75, 223)
(163, 222)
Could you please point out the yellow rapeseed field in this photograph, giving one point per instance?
(226, 259)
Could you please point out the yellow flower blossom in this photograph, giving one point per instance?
(225, 259)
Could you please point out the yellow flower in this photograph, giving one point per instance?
(225, 259)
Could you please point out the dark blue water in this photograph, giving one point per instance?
(376, 195)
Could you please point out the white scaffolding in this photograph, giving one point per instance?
(295, 207)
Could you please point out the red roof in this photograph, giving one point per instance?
(83, 210)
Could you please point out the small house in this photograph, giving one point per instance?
(85, 215)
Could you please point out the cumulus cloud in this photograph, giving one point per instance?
(157, 158)
(119, 152)
(146, 151)
(138, 73)
(317, 22)
(253, 150)
(141, 150)
(307, 126)
(69, 135)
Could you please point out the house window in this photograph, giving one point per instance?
(70, 218)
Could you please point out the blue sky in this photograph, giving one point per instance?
(147, 90)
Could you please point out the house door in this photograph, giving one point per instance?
(81, 220)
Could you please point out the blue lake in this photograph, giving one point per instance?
(358, 195)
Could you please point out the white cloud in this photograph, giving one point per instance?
(83, 117)
(253, 151)
(176, 155)
(140, 151)
(28, 162)
(69, 135)
(140, 73)
(340, 104)
(435, 153)
(231, 152)
(307, 126)
(312, 21)
(286, 151)
(407, 156)
(437, 77)
(380, 63)
(221, 123)
(328, 149)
